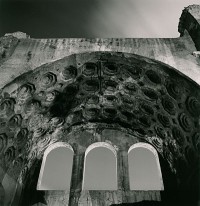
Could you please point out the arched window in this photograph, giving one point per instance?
(100, 167)
(144, 168)
(56, 169)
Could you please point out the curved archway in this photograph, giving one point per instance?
(100, 167)
(144, 168)
(129, 91)
(56, 169)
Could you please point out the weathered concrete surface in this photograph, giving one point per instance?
(194, 10)
(120, 98)
(32, 53)
(165, 113)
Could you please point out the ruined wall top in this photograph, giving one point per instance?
(18, 34)
(19, 53)
(190, 21)
(194, 10)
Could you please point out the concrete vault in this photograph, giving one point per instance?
(117, 98)
(132, 102)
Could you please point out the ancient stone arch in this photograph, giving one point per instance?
(144, 168)
(56, 168)
(94, 94)
(100, 167)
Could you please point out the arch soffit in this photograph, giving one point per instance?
(57, 145)
(101, 144)
(145, 146)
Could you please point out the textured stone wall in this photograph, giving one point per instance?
(102, 96)
(32, 53)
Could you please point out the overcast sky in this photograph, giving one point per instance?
(100, 170)
(57, 170)
(143, 170)
(92, 18)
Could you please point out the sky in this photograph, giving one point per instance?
(57, 170)
(143, 170)
(100, 170)
(92, 18)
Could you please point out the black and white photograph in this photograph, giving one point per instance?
(99, 103)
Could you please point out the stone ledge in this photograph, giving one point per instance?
(18, 34)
